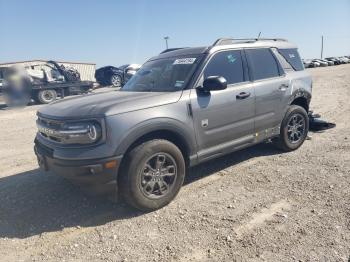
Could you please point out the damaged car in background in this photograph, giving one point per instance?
(115, 76)
(42, 83)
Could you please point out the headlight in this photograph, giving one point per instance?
(82, 133)
(71, 132)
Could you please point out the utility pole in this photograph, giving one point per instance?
(321, 47)
(166, 41)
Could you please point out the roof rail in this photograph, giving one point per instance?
(228, 41)
(172, 49)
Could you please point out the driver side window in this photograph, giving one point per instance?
(227, 64)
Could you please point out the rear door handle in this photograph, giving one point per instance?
(243, 95)
(283, 87)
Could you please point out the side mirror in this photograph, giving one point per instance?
(213, 83)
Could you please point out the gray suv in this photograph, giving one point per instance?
(182, 108)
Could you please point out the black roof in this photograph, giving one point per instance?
(182, 52)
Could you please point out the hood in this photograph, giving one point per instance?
(107, 103)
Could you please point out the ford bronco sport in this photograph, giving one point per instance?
(183, 107)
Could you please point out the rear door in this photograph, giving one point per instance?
(224, 119)
(270, 85)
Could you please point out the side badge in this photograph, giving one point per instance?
(204, 122)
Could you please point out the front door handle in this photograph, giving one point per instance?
(243, 95)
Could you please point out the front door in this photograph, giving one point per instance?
(224, 119)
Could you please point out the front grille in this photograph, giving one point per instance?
(50, 124)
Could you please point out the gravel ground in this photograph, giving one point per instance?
(257, 204)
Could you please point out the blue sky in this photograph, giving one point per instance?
(118, 32)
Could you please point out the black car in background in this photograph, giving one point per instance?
(115, 76)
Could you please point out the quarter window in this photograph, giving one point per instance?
(293, 58)
(262, 63)
(283, 62)
(227, 64)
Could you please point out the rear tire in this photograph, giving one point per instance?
(294, 129)
(47, 96)
(153, 175)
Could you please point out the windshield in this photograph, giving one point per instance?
(163, 75)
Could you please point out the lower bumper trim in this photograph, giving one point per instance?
(81, 171)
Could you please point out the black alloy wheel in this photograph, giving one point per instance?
(158, 175)
(296, 128)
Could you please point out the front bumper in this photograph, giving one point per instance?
(87, 172)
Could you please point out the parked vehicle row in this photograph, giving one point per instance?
(328, 61)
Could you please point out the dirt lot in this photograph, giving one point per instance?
(256, 205)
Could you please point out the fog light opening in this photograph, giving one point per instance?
(95, 169)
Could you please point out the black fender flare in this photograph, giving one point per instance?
(300, 93)
(159, 124)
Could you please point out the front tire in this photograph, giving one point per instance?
(294, 129)
(116, 80)
(153, 175)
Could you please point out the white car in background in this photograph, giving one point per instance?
(320, 62)
(344, 59)
(330, 63)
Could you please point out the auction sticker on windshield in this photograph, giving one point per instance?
(184, 61)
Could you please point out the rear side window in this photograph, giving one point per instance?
(227, 64)
(293, 58)
(262, 63)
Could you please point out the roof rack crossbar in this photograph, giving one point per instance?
(228, 41)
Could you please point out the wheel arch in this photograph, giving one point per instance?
(301, 98)
(114, 71)
(168, 131)
(115, 74)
